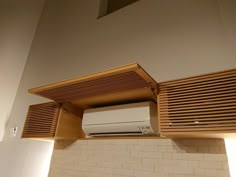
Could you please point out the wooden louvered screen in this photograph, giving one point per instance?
(41, 120)
(200, 104)
(125, 84)
(106, 85)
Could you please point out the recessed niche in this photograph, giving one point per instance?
(110, 6)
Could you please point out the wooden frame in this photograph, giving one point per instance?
(200, 106)
(52, 121)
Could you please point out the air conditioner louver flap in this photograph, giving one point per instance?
(202, 104)
(116, 134)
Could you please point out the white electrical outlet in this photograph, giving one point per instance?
(14, 131)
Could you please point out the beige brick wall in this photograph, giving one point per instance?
(141, 158)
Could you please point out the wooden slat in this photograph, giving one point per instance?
(194, 110)
(195, 92)
(200, 103)
(204, 134)
(202, 107)
(205, 103)
(217, 75)
(190, 116)
(176, 120)
(217, 84)
(199, 122)
(190, 130)
(217, 93)
(41, 135)
(197, 99)
(207, 112)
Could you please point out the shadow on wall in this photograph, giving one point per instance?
(210, 146)
(63, 144)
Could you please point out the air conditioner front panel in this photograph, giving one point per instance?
(119, 114)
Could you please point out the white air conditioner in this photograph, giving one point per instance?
(128, 119)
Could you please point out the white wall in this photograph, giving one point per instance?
(228, 17)
(18, 21)
(25, 158)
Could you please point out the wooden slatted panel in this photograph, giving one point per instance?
(205, 103)
(110, 84)
(41, 120)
